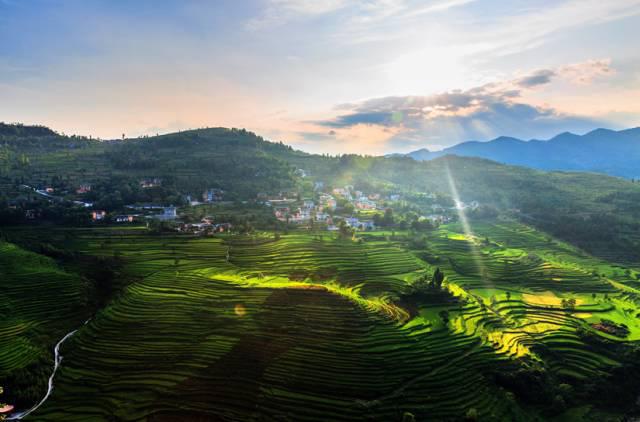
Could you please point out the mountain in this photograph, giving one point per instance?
(604, 151)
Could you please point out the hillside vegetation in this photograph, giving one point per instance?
(316, 327)
(596, 212)
(40, 303)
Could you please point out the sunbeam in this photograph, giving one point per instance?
(466, 227)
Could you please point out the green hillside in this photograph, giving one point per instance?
(521, 307)
(599, 213)
(309, 328)
(40, 303)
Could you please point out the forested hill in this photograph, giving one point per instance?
(19, 130)
(237, 161)
(596, 212)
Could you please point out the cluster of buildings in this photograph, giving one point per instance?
(204, 227)
(287, 207)
(210, 195)
(144, 211)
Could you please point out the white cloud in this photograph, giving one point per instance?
(586, 72)
(278, 12)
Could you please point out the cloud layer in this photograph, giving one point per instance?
(484, 112)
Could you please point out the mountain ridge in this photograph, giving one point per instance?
(601, 150)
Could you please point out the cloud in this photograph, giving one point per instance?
(483, 112)
(357, 14)
(539, 77)
(586, 72)
(278, 12)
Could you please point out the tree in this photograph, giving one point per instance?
(472, 414)
(408, 417)
(437, 279)
(345, 230)
(444, 316)
(388, 219)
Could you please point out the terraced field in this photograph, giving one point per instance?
(40, 303)
(311, 327)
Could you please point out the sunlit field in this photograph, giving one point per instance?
(310, 325)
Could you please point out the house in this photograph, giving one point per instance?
(365, 204)
(374, 197)
(281, 212)
(318, 186)
(327, 201)
(322, 217)
(98, 215)
(287, 195)
(367, 225)
(128, 218)
(359, 225)
(352, 221)
(275, 203)
(394, 197)
(84, 188)
(168, 213)
(222, 227)
(150, 183)
(196, 228)
(212, 195)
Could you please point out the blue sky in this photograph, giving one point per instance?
(334, 76)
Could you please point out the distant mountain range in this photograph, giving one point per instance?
(605, 151)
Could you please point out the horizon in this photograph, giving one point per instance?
(375, 78)
(311, 152)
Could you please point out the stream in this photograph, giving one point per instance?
(56, 363)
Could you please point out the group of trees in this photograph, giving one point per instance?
(428, 283)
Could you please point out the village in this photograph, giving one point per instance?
(327, 208)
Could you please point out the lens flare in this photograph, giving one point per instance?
(466, 227)
(240, 310)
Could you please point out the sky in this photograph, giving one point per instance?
(326, 76)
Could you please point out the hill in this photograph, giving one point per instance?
(605, 151)
(596, 212)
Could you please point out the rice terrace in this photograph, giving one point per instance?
(308, 326)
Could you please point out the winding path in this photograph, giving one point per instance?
(56, 364)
